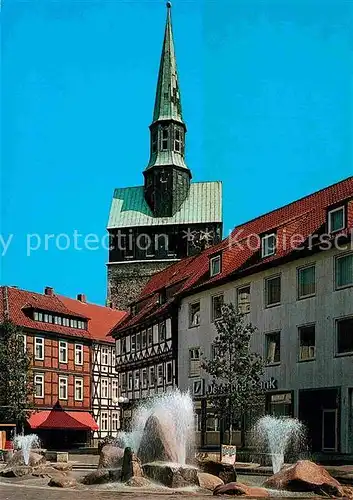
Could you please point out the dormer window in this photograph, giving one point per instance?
(268, 245)
(215, 265)
(336, 219)
(165, 136)
(154, 142)
(162, 297)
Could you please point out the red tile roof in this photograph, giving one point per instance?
(306, 217)
(102, 319)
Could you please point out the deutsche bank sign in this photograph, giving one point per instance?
(266, 385)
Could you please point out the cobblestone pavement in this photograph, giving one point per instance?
(26, 492)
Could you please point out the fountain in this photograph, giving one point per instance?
(26, 443)
(277, 434)
(167, 419)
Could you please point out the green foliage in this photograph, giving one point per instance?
(16, 386)
(235, 370)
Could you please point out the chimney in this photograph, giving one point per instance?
(81, 297)
(48, 290)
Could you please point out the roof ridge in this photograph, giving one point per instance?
(308, 196)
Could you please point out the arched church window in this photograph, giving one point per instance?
(165, 137)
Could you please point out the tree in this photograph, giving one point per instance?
(16, 387)
(235, 370)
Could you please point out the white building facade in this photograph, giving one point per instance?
(303, 312)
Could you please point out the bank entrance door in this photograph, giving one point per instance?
(319, 410)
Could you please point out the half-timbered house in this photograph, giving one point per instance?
(104, 391)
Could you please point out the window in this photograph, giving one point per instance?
(336, 220)
(165, 139)
(344, 271)
(194, 314)
(144, 378)
(306, 282)
(215, 265)
(268, 245)
(123, 345)
(243, 300)
(123, 382)
(115, 421)
(194, 362)
(212, 423)
(105, 356)
(214, 352)
(133, 343)
(23, 338)
(113, 359)
(161, 331)
(138, 341)
(216, 308)
(150, 336)
(144, 339)
(160, 375)
(345, 336)
(104, 388)
(273, 348)
(104, 421)
(152, 376)
(129, 386)
(169, 370)
(137, 380)
(78, 354)
(62, 387)
(115, 389)
(154, 142)
(272, 291)
(306, 342)
(39, 385)
(78, 389)
(177, 140)
(62, 352)
(38, 348)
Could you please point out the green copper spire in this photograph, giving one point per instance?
(168, 105)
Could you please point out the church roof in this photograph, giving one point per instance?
(130, 209)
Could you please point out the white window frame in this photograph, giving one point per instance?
(79, 385)
(104, 419)
(194, 363)
(66, 386)
(144, 380)
(136, 380)
(213, 261)
(63, 348)
(330, 212)
(39, 377)
(152, 379)
(78, 350)
(264, 239)
(105, 356)
(160, 380)
(115, 389)
(130, 381)
(104, 388)
(115, 421)
(39, 342)
(24, 337)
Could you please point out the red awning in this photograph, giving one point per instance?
(61, 419)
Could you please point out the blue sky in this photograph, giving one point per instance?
(267, 96)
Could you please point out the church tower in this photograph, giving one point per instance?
(169, 217)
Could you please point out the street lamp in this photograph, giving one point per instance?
(122, 402)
